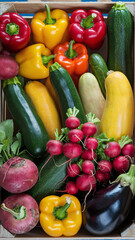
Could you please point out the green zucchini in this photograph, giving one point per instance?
(50, 177)
(66, 91)
(120, 33)
(99, 69)
(33, 132)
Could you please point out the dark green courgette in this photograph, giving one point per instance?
(66, 91)
(34, 134)
(120, 33)
(50, 177)
(99, 69)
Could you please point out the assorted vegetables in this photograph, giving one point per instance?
(74, 129)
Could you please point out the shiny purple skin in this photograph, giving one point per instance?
(107, 209)
(26, 224)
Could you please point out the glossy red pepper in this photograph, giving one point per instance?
(14, 31)
(73, 57)
(88, 27)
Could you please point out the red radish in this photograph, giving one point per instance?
(19, 213)
(89, 129)
(88, 155)
(112, 149)
(72, 122)
(100, 176)
(54, 147)
(73, 170)
(72, 150)
(71, 188)
(87, 167)
(75, 135)
(105, 166)
(121, 164)
(128, 149)
(107, 176)
(91, 143)
(18, 175)
(85, 182)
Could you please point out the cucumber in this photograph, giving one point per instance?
(120, 33)
(33, 132)
(50, 177)
(99, 69)
(66, 91)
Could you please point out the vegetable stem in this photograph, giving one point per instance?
(49, 20)
(127, 179)
(18, 212)
(71, 53)
(61, 211)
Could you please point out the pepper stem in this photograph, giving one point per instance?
(18, 212)
(47, 59)
(88, 22)
(71, 53)
(12, 29)
(49, 20)
(61, 211)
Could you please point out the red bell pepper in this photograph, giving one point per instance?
(73, 57)
(14, 31)
(88, 27)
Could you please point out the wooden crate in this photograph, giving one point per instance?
(31, 7)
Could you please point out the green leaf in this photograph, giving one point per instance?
(124, 140)
(2, 160)
(5, 143)
(14, 147)
(2, 136)
(7, 127)
(19, 138)
(1, 147)
(91, 117)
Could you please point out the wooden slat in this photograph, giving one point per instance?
(34, 6)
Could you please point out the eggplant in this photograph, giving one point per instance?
(109, 207)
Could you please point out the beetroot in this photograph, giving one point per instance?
(9, 66)
(19, 223)
(18, 175)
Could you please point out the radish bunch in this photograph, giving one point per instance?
(99, 157)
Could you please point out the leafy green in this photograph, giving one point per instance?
(124, 140)
(102, 141)
(9, 145)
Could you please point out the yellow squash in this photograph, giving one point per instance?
(118, 116)
(45, 106)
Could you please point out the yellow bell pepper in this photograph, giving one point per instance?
(50, 27)
(34, 61)
(60, 215)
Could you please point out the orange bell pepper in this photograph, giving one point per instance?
(50, 28)
(72, 57)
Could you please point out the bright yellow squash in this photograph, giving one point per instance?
(45, 106)
(118, 116)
